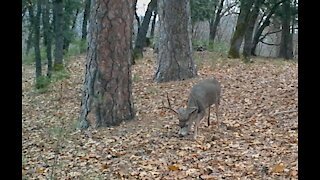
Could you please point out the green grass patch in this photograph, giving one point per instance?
(76, 47)
(221, 48)
(42, 83)
(198, 60)
(136, 78)
(59, 75)
(29, 58)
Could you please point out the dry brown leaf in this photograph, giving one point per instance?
(173, 167)
(191, 171)
(278, 168)
(149, 147)
(208, 177)
(104, 166)
(40, 170)
(293, 173)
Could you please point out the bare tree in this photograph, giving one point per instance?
(263, 23)
(214, 25)
(107, 97)
(143, 28)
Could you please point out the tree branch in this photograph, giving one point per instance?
(227, 9)
(270, 44)
(268, 33)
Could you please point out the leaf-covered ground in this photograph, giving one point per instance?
(259, 139)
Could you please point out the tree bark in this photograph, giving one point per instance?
(249, 32)
(58, 20)
(214, 25)
(47, 33)
(36, 40)
(174, 61)
(237, 38)
(142, 31)
(107, 97)
(86, 15)
(286, 50)
(31, 28)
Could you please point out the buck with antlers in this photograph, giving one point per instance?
(202, 96)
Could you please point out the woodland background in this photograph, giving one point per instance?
(258, 106)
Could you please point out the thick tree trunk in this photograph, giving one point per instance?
(47, 35)
(174, 61)
(214, 25)
(286, 50)
(249, 33)
(107, 98)
(86, 15)
(58, 20)
(153, 23)
(142, 31)
(36, 26)
(241, 27)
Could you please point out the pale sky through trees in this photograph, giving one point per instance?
(142, 7)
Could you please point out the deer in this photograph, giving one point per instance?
(202, 95)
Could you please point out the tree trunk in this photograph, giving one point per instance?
(47, 33)
(67, 37)
(107, 98)
(214, 25)
(142, 31)
(260, 29)
(31, 28)
(153, 23)
(36, 26)
(174, 61)
(86, 15)
(58, 53)
(249, 33)
(241, 27)
(286, 51)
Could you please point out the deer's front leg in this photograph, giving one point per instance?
(198, 119)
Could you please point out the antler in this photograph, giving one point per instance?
(170, 108)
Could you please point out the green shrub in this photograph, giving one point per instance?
(42, 83)
(61, 74)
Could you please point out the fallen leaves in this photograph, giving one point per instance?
(278, 168)
(255, 143)
(173, 167)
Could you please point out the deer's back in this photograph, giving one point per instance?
(205, 92)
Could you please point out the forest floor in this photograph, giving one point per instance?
(258, 108)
